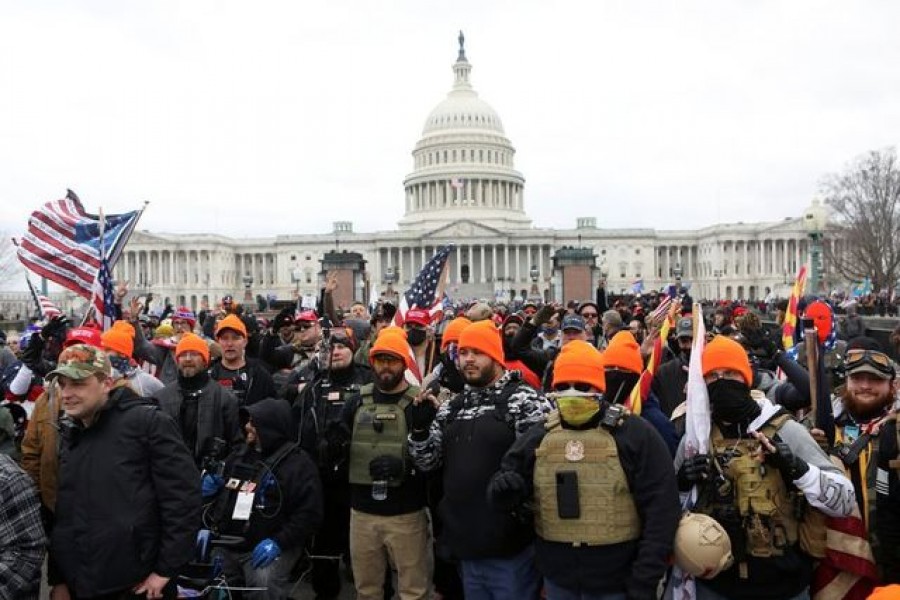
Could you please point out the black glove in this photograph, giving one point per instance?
(55, 328)
(695, 469)
(422, 416)
(543, 315)
(792, 467)
(506, 490)
(33, 357)
(386, 468)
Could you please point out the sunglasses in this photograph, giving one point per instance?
(588, 315)
(584, 388)
(881, 361)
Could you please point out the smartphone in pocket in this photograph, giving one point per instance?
(567, 502)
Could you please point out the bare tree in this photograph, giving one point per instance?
(866, 203)
(10, 267)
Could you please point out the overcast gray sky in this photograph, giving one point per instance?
(259, 118)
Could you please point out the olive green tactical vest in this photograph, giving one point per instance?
(378, 429)
(765, 506)
(607, 511)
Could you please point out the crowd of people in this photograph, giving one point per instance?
(485, 451)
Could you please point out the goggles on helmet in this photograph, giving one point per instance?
(880, 361)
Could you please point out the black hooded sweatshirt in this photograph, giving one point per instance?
(289, 510)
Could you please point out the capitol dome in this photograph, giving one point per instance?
(463, 163)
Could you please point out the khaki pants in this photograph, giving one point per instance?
(402, 539)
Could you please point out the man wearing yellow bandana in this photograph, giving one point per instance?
(603, 494)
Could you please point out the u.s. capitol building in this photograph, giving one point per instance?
(464, 189)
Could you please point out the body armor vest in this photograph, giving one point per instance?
(378, 429)
(606, 513)
(750, 499)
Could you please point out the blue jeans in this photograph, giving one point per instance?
(510, 578)
(556, 592)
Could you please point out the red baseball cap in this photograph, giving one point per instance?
(306, 315)
(418, 316)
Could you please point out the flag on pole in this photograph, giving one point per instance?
(696, 438)
(48, 307)
(63, 243)
(640, 391)
(457, 183)
(790, 316)
(104, 300)
(427, 290)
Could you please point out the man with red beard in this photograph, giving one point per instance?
(863, 413)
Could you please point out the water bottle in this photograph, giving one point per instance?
(379, 490)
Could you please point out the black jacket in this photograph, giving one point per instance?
(129, 499)
(887, 504)
(217, 415)
(636, 566)
(291, 508)
(669, 384)
(252, 384)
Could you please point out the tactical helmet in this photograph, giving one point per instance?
(702, 546)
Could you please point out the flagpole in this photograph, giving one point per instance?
(92, 307)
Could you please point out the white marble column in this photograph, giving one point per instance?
(458, 264)
(518, 261)
(541, 262)
(494, 262)
(506, 274)
(482, 277)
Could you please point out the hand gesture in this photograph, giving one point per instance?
(121, 291)
(331, 282)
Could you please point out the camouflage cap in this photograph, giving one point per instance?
(81, 361)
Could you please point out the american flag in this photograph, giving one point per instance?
(457, 183)
(63, 243)
(48, 308)
(426, 291)
(104, 300)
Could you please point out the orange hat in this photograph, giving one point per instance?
(579, 362)
(887, 592)
(192, 342)
(391, 340)
(118, 340)
(725, 353)
(484, 337)
(624, 353)
(232, 322)
(124, 326)
(452, 331)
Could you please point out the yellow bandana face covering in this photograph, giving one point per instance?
(577, 410)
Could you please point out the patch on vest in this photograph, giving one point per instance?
(574, 450)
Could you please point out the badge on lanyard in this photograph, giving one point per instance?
(243, 506)
(851, 433)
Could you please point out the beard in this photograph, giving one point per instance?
(866, 409)
(480, 378)
(389, 380)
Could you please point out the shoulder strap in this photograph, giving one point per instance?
(408, 396)
(775, 422)
(367, 394)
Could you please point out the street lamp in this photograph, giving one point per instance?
(391, 276)
(677, 272)
(815, 219)
(534, 272)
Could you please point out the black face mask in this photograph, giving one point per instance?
(686, 356)
(619, 384)
(415, 337)
(730, 402)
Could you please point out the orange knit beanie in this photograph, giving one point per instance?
(623, 353)
(484, 337)
(725, 353)
(579, 362)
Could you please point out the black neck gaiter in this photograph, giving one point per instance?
(730, 402)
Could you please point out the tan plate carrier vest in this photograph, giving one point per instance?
(608, 513)
(378, 429)
(766, 507)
